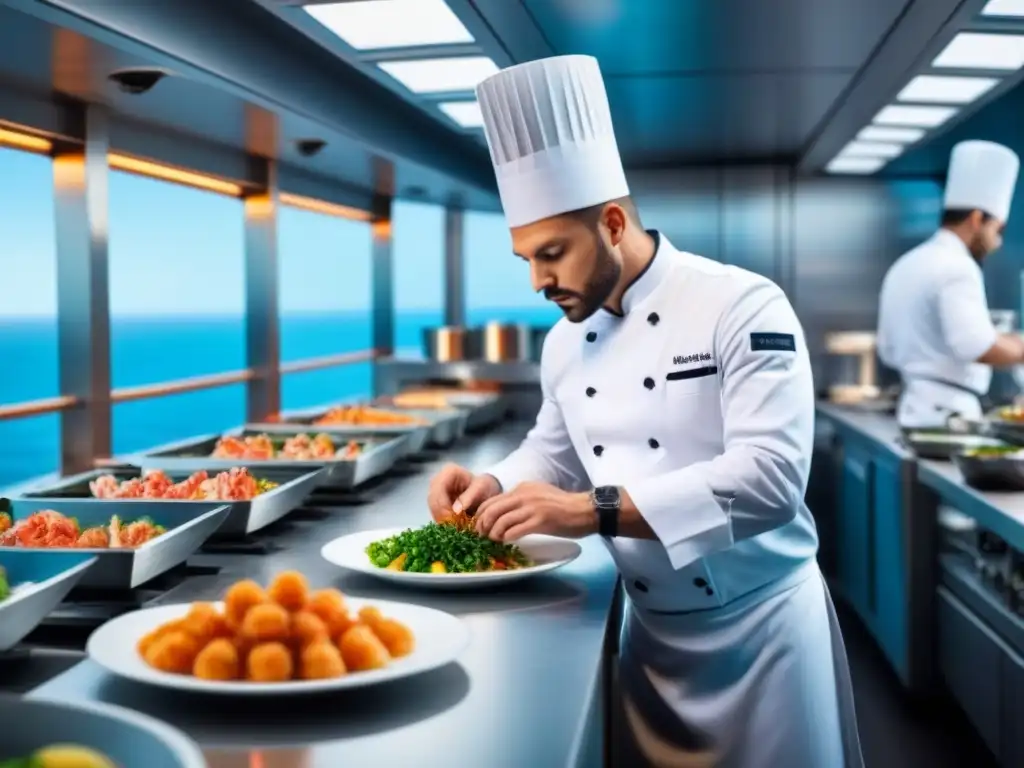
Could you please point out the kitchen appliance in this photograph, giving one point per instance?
(856, 381)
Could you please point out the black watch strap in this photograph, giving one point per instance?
(606, 503)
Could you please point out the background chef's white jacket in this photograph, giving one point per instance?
(699, 401)
(933, 323)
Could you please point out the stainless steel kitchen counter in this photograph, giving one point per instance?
(879, 427)
(524, 694)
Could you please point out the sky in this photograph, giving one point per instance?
(174, 250)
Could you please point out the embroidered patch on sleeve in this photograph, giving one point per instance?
(772, 342)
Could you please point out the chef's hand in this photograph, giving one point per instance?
(456, 489)
(536, 508)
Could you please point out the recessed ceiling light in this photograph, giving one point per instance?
(465, 113)
(976, 50)
(871, 149)
(370, 24)
(940, 89)
(889, 133)
(440, 75)
(923, 117)
(1003, 8)
(856, 165)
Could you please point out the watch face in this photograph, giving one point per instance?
(606, 495)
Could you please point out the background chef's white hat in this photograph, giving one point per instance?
(549, 129)
(981, 175)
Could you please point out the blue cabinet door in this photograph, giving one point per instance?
(855, 529)
(889, 582)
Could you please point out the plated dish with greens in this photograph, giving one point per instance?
(447, 555)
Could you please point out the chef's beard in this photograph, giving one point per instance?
(979, 250)
(598, 288)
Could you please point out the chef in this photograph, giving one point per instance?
(677, 423)
(934, 326)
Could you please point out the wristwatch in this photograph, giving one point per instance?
(606, 503)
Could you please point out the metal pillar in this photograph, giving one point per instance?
(383, 284)
(80, 184)
(262, 321)
(454, 268)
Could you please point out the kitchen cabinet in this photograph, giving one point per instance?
(970, 658)
(871, 553)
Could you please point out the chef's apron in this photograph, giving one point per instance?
(928, 402)
(762, 682)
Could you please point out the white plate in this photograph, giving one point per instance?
(548, 552)
(440, 638)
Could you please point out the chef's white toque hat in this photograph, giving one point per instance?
(982, 176)
(549, 129)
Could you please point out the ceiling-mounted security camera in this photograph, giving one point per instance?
(310, 147)
(137, 80)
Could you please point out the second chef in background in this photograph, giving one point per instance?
(934, 325)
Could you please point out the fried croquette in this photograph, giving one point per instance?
(150, 638)
(218, 661)
(329, 605)
(205, 623)
(362, 650)
(320, 661)
(308, 628)
(290, 590)
(175, 652)
(269, 663)
(397, 637)
(267, 623)
(240, 598)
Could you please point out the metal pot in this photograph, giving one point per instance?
(446, 344)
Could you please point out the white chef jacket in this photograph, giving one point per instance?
(698, 400)
(933, 323)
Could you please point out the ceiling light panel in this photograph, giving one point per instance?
(465, 113)
(891, 133)
(440, 75)
(940, 89)
(855, 165)
(914, 116)
(872, 149)
(371, 24)
(977, 50)
(1003, 8)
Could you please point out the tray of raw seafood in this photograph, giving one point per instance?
(254, 498)
(346, 461)
(355, 420)
(131, 544)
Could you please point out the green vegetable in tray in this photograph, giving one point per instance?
(995, 451)
(263, 485)
(448, 547)
(5, 588)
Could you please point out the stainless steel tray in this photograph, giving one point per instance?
(51, 574)
(187, 529)
(446, 424)
(194, 454)
(243, 517)
(291, 421)
(126, 737)
(485, 409)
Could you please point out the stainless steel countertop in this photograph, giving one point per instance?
(880, 427)
(1000, 512)
(519, 697)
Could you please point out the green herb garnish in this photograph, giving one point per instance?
(5, 587)
(458, 547)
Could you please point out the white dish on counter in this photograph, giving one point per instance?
(440, 639)
(546, 552)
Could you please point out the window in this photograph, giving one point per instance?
(28, 314)
(324, 267)
(176, 306)
(497, 283)
(418, 269)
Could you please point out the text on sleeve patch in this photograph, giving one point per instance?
(772, 342)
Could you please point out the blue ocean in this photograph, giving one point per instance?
(153, 350)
